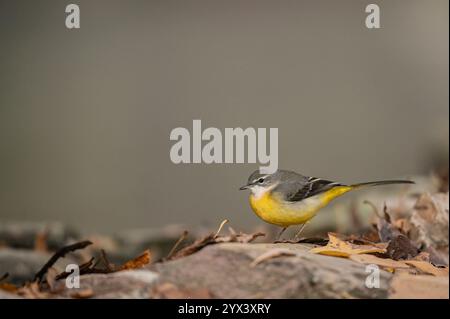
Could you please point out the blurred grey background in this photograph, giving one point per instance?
(85, 115)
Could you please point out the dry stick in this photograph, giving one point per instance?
(86, 268)
(5, 275)
(220, 227)
(59, 254)
(179, 241)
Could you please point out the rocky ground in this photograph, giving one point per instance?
(404, 254)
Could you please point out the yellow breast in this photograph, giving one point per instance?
(275, 210)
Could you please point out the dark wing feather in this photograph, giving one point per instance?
(312, 187)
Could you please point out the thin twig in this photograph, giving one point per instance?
(374, 208)
(4, 276)
(179, 241)
(60, 254)
(220, 227)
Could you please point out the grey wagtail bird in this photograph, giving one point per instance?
(286, 198)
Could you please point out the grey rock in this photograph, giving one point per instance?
(21, 264)
(129, 284)
(225, 270)
(7, 295)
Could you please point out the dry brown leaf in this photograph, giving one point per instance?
(339, 248)
(170, 291)
(137, 262)
(383, 262)
(428, 268)
(273, 253)
(83, 294)
(8, 287)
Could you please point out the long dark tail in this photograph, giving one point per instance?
(377, 183)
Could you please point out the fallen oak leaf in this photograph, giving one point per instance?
(138, 262)
(273, 253)
(339, 248)
(428, 268)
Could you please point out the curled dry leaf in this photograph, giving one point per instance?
(339, 248)
(273, 253)
(137, 262)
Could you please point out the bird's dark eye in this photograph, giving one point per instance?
(260, 180)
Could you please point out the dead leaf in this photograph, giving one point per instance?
(339, 248)
(401, 247)
(430, 223)
(273, 253)
(8, 287)
(83, 294)
(170, 291)
(428, 268)
(382, 262)
(137, 262)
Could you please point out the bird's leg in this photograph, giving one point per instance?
(297, 236)
(279, 234)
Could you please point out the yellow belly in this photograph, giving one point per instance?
(278, 212)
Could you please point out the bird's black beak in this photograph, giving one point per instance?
(243, 187)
